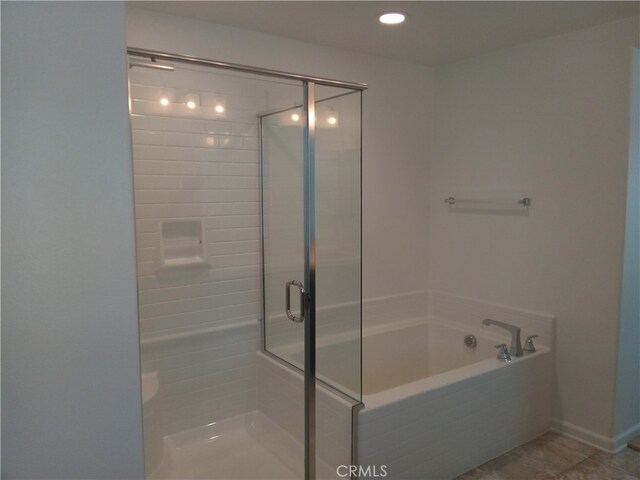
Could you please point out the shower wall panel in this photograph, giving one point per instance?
(198, 320)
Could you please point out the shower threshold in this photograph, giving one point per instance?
(245, 447)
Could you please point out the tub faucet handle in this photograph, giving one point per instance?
(503, 353)
(529, 347)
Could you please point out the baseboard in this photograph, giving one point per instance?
(623, 439)
(601, 442)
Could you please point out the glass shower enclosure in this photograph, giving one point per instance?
(248, 229)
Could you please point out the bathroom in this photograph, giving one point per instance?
(544, 113)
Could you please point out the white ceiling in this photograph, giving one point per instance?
(434, 33)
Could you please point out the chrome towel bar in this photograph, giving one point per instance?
(524, 202)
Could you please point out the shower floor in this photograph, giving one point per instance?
(247, 447)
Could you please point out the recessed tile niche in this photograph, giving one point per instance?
(182, 244)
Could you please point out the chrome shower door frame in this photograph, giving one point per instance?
(309, 282)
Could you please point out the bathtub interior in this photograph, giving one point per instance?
(402, 353)
(425, 349)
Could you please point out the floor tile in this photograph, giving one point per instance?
(627, 460)
(477, 474)
(512, 466)
(592, 470)
(546, 457)
(556, 457)
(557, 450)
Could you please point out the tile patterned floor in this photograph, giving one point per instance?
(554, 456)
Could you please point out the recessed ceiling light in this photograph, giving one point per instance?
(392, 18)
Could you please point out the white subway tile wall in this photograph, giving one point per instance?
(196, 163)
(199, 324)
(204, 378)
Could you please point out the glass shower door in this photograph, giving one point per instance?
(282, 153)
(311, 226)
(336, 251)
(286, 289)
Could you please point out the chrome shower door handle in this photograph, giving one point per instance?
(290, 315)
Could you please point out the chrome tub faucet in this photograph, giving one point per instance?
(516, 346)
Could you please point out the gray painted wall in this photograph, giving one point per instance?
(70, 368)
(627, 408)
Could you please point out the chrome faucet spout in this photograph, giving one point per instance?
(516, 345)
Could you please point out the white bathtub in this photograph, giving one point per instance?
(435, 408)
